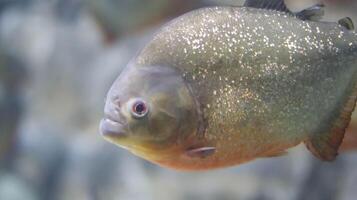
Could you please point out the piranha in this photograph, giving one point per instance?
(221, 86)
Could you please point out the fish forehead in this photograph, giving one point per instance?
(253, 66)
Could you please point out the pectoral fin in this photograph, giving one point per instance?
(278, 5)
(325, 143)
(201, 152)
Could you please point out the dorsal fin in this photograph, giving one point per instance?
(313, 13)
(278, 5)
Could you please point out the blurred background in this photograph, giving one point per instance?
(58, 58)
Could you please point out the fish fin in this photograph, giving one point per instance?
(313, 13)
(278, 5)
(347, 23)
(325, 143)
(201, 152)
(350, 140)
(276, 154)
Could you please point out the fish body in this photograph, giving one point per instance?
(239, 84)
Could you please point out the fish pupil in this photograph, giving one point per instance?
(139, 108)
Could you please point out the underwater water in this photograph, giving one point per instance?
(57, 62)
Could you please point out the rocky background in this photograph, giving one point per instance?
(57, 61)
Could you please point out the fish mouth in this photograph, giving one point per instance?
(111, 125)
(111, 128)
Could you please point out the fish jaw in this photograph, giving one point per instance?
(110, 128)
(113, 124)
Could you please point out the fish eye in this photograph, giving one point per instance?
(139, 108)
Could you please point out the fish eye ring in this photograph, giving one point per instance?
(139, 108)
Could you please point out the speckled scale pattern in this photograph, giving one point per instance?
(265, 80)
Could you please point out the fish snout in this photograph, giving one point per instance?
(110, 128)
(111, 125)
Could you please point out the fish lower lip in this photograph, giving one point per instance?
(111, 128)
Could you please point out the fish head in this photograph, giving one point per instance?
(149, 109)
